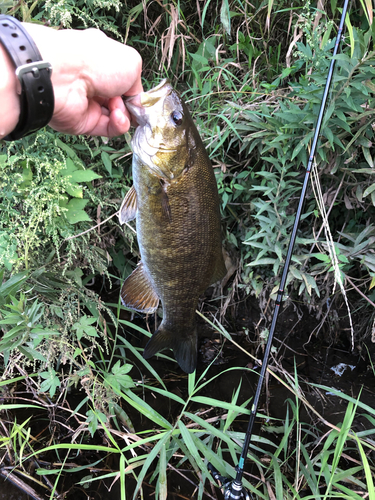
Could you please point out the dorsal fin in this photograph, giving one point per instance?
(128, 209)
(137, 292)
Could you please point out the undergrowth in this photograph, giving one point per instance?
(299, 463)
(253, 75)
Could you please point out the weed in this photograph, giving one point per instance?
(253, 74)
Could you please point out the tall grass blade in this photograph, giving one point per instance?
(122, 478)
(144, 361)
(162, 481)
(220, 404)
(332, 390)
(191, 383)
(145, 409)
(205, 11)
(278, 479)
(269, 10)
(368, 8)
(151, 457)
(368, 473)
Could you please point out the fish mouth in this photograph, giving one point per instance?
(136, 104)
(155, 94)
(145, 143)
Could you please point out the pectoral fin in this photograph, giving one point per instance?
(166, 208)
(128, 209)
(137, 292)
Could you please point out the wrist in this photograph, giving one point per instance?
(10, 101)
(33, 78)
(54, 46)
(66, 51)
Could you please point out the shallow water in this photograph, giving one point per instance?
(10, 492)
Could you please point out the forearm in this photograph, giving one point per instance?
(90, 73)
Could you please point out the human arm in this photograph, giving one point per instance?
(9, 100)
(90, 73)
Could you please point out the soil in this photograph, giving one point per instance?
(325, 359)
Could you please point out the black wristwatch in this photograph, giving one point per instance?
(34, 74)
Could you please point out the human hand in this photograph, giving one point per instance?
(90, 73)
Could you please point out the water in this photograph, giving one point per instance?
(9, 492)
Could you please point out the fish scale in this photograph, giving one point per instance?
(178, 222)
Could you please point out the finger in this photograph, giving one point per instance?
(117, 123)
(116, 103)
(103, 80)
(135, 89)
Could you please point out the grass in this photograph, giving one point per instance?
(292, 459)
(78, 402)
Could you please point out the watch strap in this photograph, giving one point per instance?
(34, 74)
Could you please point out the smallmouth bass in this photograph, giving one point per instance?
(175, 202)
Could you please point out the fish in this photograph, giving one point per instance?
(175, 202)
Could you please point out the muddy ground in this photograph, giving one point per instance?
(321, 352)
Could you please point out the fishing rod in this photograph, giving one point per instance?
(234, 489)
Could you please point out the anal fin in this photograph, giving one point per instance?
(137, 292)
(128, 209)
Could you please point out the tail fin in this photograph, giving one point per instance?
(184, 346)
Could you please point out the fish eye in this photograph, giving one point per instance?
(177, 117)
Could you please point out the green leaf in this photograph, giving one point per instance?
(145, 409)
(310, 283)
(84, 176)
(77, 204)
(83, 326)
(51, 382)
(351, 35)
(74, 190)
(368, 472)
(107, 162)
(295, 272)
(75, 216)
(278, 478)
(151, 457)
(75, 212)
(189, 442)
(119, 378)
(70, 167)
(199, 58)
(163, 487)
(31, 353)
(225, 16)
(369, 190)
(164, 393)
(93, 420)
(261, 262)
(220, 404)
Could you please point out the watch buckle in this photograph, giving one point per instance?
(34, 68)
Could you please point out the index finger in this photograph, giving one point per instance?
(113, 69)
